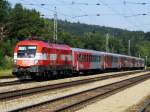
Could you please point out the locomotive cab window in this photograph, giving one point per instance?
(26, 51)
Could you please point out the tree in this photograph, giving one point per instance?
(4, 18)
(25, 22)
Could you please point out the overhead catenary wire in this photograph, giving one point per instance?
(98, 14)
(115, 11)
(72, 3)
(136, 3)
(41, 6)
(133, 16)
(73, 16)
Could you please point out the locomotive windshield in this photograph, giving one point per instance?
(26, 51)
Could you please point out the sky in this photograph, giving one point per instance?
(131, 15)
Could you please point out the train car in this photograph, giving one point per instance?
(34, 58)
(87, 60)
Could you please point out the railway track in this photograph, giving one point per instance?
(17, 81)
(24, 92)
(75, 101)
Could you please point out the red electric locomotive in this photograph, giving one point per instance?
(33, 58)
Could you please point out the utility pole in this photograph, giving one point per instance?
(145, 61)
(55, 26)
(107, 43)
(139, 55)
(129, 48)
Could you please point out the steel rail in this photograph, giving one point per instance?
(16, 82)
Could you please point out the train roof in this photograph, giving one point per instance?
(101, 53)
(66, 47)
(32, 42)
(60, 46)
(44, 44)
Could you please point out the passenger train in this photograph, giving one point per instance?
(35, 58)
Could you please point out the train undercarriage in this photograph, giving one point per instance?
(40, 73)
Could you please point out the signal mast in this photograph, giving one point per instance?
(55, 26)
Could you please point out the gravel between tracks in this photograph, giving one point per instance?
(45, 96)
(121, 101)
(44, 83)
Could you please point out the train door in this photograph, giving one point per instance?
(119, 62)
(45, 56)
(104, 60)
(114, 62)
(75, 60)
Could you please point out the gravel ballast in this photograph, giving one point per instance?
(45, 96)
(44, 83)
(121, 101)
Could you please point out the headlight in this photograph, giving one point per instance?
(35, 61)
(15, 61)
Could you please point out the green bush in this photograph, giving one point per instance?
(6, 63)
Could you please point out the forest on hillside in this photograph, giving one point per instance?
(19, 23)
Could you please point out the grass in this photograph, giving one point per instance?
(6, 73)
(148, 68)
(147, 109)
